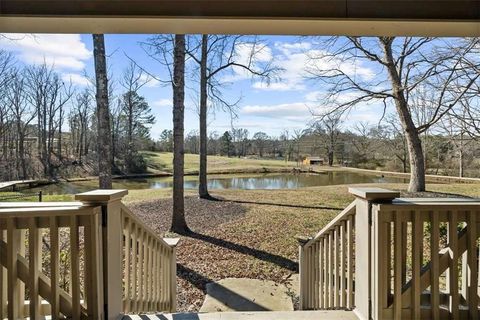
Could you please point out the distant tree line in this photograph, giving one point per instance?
(48, 126)
(379, 147)
(432, 84)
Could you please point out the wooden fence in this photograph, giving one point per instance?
(91, 259)
(412, 258)
(327, 264)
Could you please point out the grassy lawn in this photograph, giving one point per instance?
(249, 233)
(162, 162)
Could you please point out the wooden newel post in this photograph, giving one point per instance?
(112, 244)
(365, 197)
(303, 268)
(172, 279)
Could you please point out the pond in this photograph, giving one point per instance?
(246, 182)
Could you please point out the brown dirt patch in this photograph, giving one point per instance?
(201, 214)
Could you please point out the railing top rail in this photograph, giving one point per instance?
(349, 210)
(434, 201)
(166, 242)
(7, 205)
(46, 211)
(430, 204)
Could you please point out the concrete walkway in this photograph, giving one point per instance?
(243, 294)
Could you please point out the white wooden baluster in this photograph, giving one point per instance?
(3, 281)
(398, 261)
(350, 267)
(417, 249)
(343, 233)
(75, 267)
(13, 239)
(435, 273)
(54, 268)
(34, 264)
(134, 267)
(126, 273)
(472, 236)
(453, 264)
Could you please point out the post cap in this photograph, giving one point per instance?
(101, 195)
(302, 240)
(172, 242)
(372, 194)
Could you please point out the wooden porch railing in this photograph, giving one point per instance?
(75, 259)
(327, 264)
(414, 258)
(413, 282)
(150, 268)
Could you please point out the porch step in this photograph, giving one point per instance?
(243, 294)
(261, 315)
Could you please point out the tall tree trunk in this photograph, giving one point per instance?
(179, 224)
(129, 158)
(202, 176)
(414, 143)
(21, 150)
(103, 114)
(460, 158)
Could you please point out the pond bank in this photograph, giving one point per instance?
(428, 177)
(195, 172)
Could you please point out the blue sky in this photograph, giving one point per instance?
(281, 105)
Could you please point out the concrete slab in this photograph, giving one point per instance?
(292, 283)
(275, 315)
(243, 294)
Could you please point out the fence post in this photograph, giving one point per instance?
(172, 242)
(302, 271)
(363, 245)
(112, 246)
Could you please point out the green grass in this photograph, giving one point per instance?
(32, 198)
(261, 244)
(162, 162)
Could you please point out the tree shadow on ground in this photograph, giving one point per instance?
(256, 253)
(432, 194)
(279, 204)
(220, 293)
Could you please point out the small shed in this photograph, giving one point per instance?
(310, 161)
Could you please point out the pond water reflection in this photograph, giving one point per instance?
(244, 182)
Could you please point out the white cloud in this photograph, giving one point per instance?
(288, 47)
(295, 58)
(163, 103)
(243, 53)
(150, 82)
(76, 79)
(297, 111)
(64, 51)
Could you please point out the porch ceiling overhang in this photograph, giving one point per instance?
(319, 17)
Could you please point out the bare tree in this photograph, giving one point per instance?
(331, 125)
(402, 65)
(220, 54)
(179, 223)
(134, 108)
(260, 140)
(49, 94)
(103, 114)
(79, 123)
(170, 51)
(396, 141)
(23, 114)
